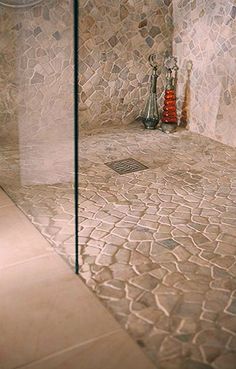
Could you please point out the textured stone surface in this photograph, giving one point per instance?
(178, 276)
(156, 246)
(116, 38)
(36, 85)
(204, 32)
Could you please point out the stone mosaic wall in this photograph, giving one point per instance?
(116, 38)
(205, 33)
(36, 88)
(36, 70)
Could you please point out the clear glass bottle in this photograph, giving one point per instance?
(150, 114)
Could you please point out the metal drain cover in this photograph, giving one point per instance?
(126, 166)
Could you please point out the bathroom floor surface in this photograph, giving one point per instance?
(49, 318)
(156, 246)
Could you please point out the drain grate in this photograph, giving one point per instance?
(126, 166)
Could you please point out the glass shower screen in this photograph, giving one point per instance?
(37, 113)
(19, 3)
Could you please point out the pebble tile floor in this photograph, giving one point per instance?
(158, 246)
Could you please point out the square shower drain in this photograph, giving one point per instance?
(126, 166)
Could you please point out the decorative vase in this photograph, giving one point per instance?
(169, 115)
(150, 114)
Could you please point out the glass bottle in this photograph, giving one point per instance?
(169, 115)
(150, 114)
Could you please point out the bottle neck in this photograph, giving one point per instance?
(153, 86)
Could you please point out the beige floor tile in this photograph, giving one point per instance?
(19, 240)
(44, 309)
(4, 199)
(114, 351)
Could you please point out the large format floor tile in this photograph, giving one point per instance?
(48, 317)
(4, 199)
(19, 241)
(44, 309)
(114, 351)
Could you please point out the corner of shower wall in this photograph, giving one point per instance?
(204, 32)
(116, 38)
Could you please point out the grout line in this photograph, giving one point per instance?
(49, 253)
(68, 349)
(6, 206)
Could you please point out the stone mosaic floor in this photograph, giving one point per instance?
(26, 173)
(157, 246)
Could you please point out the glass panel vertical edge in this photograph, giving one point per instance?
(76, 131)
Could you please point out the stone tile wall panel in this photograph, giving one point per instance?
(36, 90)
(204, 32)
(36, 51)
(116, 38)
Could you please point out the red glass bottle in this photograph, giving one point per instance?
(169, 115)
(169, 111)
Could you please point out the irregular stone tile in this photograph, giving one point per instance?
(123, 256)
(211, 352)
(232, 270)
(133, 292)
(188, 286)
(225, 249)
(110, 250)
(145, 281)
(188, 310)
(226, 361)
(223, 261)
(169, 244)
(145, 267)
(172, 278)
(110, 293)
(225, 284)
(147, 299)
(199, 239)
(140, 235)
(192, 364)
(120, 306)
(158, 273)
(138, 326)
(213, 337)
(181, 253)
(170, 347)
(150, 314)
(228, 323)
(167, 303)
(232, 307)
(103, 275)
(232, 343)
(137, 258)
(115, 240)
(188, 326)
(193, 297)
(104, 260)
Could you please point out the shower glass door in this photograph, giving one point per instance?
(37, 115)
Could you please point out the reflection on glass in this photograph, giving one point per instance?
(36, 108)
(19, 3)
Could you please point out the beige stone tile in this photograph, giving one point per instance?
(4, 199)
(45, 308)
(114, 351)
(19, 240)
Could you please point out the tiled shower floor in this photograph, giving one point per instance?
(157, 246)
